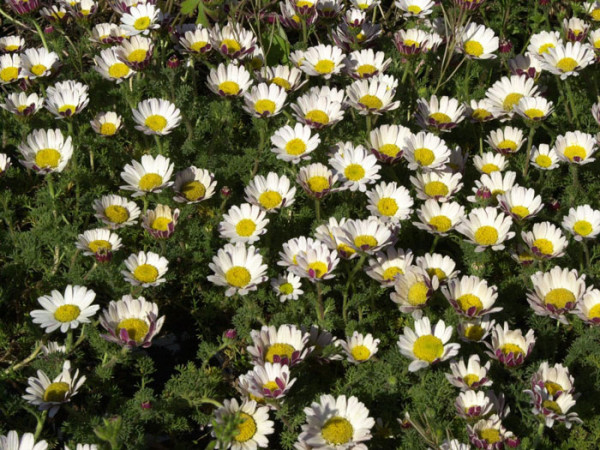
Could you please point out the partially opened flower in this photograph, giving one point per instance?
(271, 192)
(270, 380)
(415, 8)
(440, 186)
(156, 116)
(22, 104)
(490, 162)
(426, 151)
(286, 77)
(413, 289)
(317, 111)
(160, 222)
(111, 67)
(5, 163)
(506, 140)
(471, 375)
(264, 100)
(323, 60)
(287, 345)
(239, 268)
(316, 179)
(442, 114)
(490, 433)
(355, 167)
(475, 330)
(470, 296)
(388, 142)
(367, 235)
(545, 240)
(366, 63)
(106, 124)
(414, 41)
(254, 427)
(534, 108)
(478, 42)
(583, 222)
(520, 202)
(359, 348)
(439, 218)
(316, 263)
(486, 227)
(136, 52)
(39, 62)
(99, 242)
(544, 157)
(232, 40)
(116, 211)
(471, 404)
(67, 98)
(575, 147)
(11, 68)
(387, 267)
(440, 266)
(373, 96)
(588, 307)
(229, 80)
(194, 185)
(151, 175)
(510, 347)
(46, 151)
(492, 185)
(141, 19)
(196, 41)
(506, 92)
(332, 234)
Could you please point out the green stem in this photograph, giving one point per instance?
(27, 360)
(406, 70)
(50, 183)
(356, 268)
(13, 20)
(528, 154)
(320, 307)
(586, 252)
(40, 33)
(158, 144)
(318, 209)
(304, 34)
(40, 425)
(369, 121)
(69, 341)
(572, 102)
(538, 437)
(434, 243)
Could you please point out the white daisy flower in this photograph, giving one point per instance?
(232, 40)
(534, 108)
(156, 116)
(426, 151)
(292, 248)
(366, 63)
(484, 110)
(455, 444)
(544, 157)
(414, 41)
(151, 175)
(413, 289)
(131, 322)
(316, 111)
(439, 218)
(271, 380)
(436, 265)
(65, 311)
(316, 263)
(66, 99)
(229, 80)
(478, 42)
(193, 185)
(323, 60)
(470, 296)
(264, 100)
(22, 104)
(441, 114)
(506, 92)
(506, 140)
(116, 211)
(387, 267)
(271, 192)
(592, 9)
(39, 62)
(556, 293)
(367, 235)
(252, 432)
(294, 144)
(567, 60)
(490, 433)
(540, 43)
(287, 287)
(486, 227)
(46, 151)
(594, 39)
(475, 330)
(286, 77)
(371, 96)
(106, 123)
(583, 222)
(49, 395)
(545, 240)
(316, 179)
(359, 348)
(471, 375)
(355, 167)
(336, 423)
(11, 441)
(331, 234)
(141, 19)
(492, 185)
(160, 222)
(239, 268)
(575, 147)
(426, 345)
(99, 242)
(510, 347)
(12, 44)
(389, 202)
(136, 52)
(556, 379)
(53, 347)
(588, 308)
(471, 404)
(521, 203)
(388, 142)
(527, 64)
(287, 345)
(110, 67)
(415, 8)
(107, 33)
(245, 223)
(145, 269)
(440, 186)
(10, 68)
(364, 5)
(196, 41)
(490, 162)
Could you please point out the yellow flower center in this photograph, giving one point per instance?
(597, 44)
(99, 245)
(146, 273)
(11, 48)
(354, 172)
(440, 223)
(511, 100)
(559, 297)
(116, 213)
(417, 294)
(304, 3)
(337, 431)
(366, 69)
(137, 329)
(520, 211)
(141, 23)
(271, 386)
(468, 301)
(247, 429)
(392, 272)
(543, 161)
(575, 153)
(390, 150)
(534, 113)
(439, 273)
(231, 45)
(295, 147)
(507, 145)
(9, 74)
(552, 387)
(21, 108)
(150, 181)
(286, 288)
(481, 114)
(360, 353)
(428, 348)
(265, 106)
(567, 64)
(486, 235)
(38, 69)
(245, 227)
(325, 66)
(319, 268)
(67, 110)
(595, 14)
(284, 351)
(238, 276)
(229, 87)
(474, 332)
(552, 406)
(436, 189)
(411, 43)
(198, 46)
(318, 183)
(156, 122)
(270, 199)
(56, 392)
(424, 156)
(490, 435)
(365, 242)
(67, 313)
(387, 206)
(583, 227)
(317, 116)
(470, 379)
(544, 246)
(193, 190)
(414, 9)
(440, 117)
(594, 312)
(489, 168)
(118, 70)
(137, 56)
(371, 101)
(345, 249)
(512, 348)
(282, 82)
(473, 48)
(545, 48)
(108, 129)
(47, 157)
(161, 223)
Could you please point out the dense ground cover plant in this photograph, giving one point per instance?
(301, 225)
